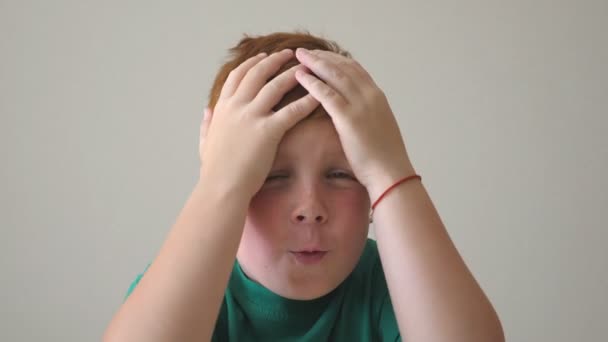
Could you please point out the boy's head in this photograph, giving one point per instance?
(250, 46)
(307, 226)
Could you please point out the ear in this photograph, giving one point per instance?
(207, 115)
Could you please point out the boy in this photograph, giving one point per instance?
(272, 243)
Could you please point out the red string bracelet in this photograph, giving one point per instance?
(388, 190)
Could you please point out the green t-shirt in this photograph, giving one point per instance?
(358, 310)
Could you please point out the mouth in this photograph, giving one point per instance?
(308, 257)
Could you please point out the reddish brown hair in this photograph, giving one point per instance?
(250, 46)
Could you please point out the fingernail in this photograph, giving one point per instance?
(302, 51)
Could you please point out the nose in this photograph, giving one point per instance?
(303, 218)
(309, 209)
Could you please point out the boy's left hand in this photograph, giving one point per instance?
(362, 116)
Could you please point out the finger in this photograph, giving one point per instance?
(333, 71)
(236, 75)
(257, 76)
(356, 68)
(329, 97)
(294, 112)
(276, 89)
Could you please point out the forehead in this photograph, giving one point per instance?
(311, 136)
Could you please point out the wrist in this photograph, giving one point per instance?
(223, 190)
(388, 177)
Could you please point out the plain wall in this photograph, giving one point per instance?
(503, 106)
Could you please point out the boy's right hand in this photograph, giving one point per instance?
(240, 136)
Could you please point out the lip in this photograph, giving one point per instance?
(310, 257)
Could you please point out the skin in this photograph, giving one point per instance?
(435, 296)
(311, 200)
(179, 296)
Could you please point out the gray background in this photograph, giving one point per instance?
(502, 104)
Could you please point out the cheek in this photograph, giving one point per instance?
(262, 225)
(266, 206)
(350, 202)
(351, 210)
(349, 206)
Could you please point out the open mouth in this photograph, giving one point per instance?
(308, 257)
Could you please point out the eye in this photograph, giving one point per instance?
(274, 177)
(339, 174)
